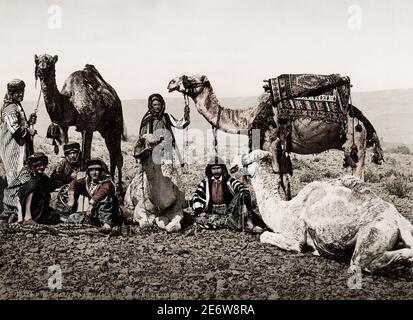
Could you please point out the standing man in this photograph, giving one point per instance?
(158, 122)
(16, 142)
(222, 202)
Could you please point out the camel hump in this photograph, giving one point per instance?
(95, 80)
(93, 77)
(90, 70)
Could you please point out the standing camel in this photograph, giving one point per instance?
(308, 136)
(87, 102)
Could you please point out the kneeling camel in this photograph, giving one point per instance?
(338, 219)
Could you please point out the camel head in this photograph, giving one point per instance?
(45, 66)
(191, 85)
(248, 164)
(145, 145)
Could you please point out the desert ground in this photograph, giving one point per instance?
(199, 264)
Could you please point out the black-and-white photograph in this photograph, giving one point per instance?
(206, 150)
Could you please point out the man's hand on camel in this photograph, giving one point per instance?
(31, 131)
(32, 119)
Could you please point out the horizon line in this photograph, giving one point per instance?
(237, 97)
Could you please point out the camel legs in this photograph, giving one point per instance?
(65, 135)
(87, 137)
(355, 146)
(276, 167)
(280, 241)
(374, 244)
(113, 144)
(170, 220)
(144, 214)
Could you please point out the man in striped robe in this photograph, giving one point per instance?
(221, 201)
(16, 142)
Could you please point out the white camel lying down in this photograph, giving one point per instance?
(338, 219)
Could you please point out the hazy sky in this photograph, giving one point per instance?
(138, 46)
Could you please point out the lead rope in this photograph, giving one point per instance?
(353, 132)
(215, 132)
(36, 109)
(185, 136)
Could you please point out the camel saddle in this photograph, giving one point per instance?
(322, 97)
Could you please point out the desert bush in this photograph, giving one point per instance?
(399, 185)
(390, 172)
(391, 161)
(400, 149)
(371, 176)
(331, 174)
(299, 164)
(310, 176)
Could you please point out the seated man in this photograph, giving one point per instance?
(221, 201)
(33, 189)
(67, 168)
(103, 210)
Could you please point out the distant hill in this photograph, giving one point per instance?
(391, 113)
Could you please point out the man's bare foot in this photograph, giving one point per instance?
(105, 228)
(251, 228)
(29, 222)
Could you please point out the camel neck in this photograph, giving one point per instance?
(52, 96)
(265, 184)
(153, 171)
(226, 119)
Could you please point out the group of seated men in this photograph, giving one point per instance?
(33, 188)
(219, 201)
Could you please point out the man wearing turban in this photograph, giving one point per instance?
(16, 142)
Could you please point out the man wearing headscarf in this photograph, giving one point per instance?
(103, 209)
(16, 142)
(67, 168)
(32, 189)
(156, 119)
(160, 123)
(223, 202)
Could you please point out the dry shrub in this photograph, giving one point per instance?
(399, 185)
(331, 174)
(400, 149)
(371, 176)
(310, 176)
(299, 164)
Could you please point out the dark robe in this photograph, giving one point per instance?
(41, 186)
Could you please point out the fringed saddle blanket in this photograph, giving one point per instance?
(322, 97)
